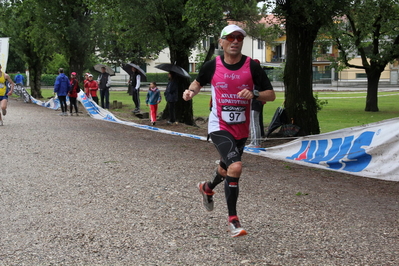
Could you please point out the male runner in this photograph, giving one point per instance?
(232, 77)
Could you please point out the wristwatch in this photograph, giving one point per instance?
(256, 94)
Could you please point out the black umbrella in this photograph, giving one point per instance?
(278, 120)
(108, 69)
(128, 69)
(174, 68)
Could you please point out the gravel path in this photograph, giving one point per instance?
(78, 191)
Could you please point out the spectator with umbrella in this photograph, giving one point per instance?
(171, 96)
(172, 89)
(104, 83)
(136, 76)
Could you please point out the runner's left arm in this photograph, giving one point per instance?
(11, 82)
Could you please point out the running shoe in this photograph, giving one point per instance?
(4, 111)
(207, 198)
(235, 228)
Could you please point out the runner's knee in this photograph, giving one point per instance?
(235, 169)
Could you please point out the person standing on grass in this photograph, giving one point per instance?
(134, 83)
(232, 77)
(86, 78)
(73, 94)
(153, 99)
(91, 88)
(19, 79)
(171, 97)
(61, 87)
(4, 93)
(104, 83)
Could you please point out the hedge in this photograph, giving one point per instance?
(49, 79)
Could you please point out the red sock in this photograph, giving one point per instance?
(207, 189)
(232, 218)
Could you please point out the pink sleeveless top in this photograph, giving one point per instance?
(230, 112)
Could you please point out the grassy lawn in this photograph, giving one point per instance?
(344, 109)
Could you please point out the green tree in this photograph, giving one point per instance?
(303, 20)
(141, 29)
(58, 61)
(369, 29)
(15, 62)
(29, 37)
(146, 27)
(126, 31)
(74, 28)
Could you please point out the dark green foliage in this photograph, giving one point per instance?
(48, 79)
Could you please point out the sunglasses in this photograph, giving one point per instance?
(232, 37)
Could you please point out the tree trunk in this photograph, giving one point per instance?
(300, 103)
(35, 82)
(211, 52)
(76, 66)
(79, 50)
(35, 67)
(373, 77)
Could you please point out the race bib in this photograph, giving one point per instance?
(233, 114)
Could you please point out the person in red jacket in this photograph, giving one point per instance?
(91, 88)
(73, 94)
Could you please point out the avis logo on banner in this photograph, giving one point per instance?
(347, 154)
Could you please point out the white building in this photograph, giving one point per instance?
(253, 48)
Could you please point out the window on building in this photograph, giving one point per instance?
(361, 75)
(205, 44)
(260, 44)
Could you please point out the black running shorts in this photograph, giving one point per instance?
(230, 149)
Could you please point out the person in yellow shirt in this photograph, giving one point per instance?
(4, 93)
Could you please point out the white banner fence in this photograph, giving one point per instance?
(369, 151)
(4, 47)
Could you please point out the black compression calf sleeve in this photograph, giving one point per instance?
(217, 179)
(231, 191)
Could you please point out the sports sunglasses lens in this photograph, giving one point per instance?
(231, 38)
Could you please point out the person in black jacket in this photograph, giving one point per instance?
(171, 93)
(134, 82)
(104, 83)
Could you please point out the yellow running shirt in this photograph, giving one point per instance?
(3, 87)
